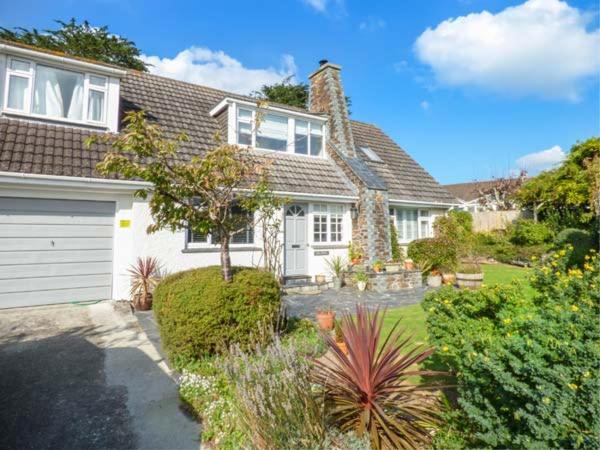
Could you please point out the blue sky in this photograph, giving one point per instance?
(472, 89)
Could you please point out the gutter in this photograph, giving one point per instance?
(31, 179)
(98, 68)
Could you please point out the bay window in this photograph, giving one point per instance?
(55, 93)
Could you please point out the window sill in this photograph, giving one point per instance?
(218, 249)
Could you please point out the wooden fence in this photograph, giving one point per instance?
(484, 221)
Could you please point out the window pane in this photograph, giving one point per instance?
(58, 93)
(424, 231)
(244, 133)
(195, 238)
(245, 114)
(301, 137)
(272, 134)
(316, 145)
(411, 224)
(97, 81)
(336, 227)
(96, 106)
(320, 228)
(23, 66)
(17, 89)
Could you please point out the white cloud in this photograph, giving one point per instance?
(216, 69)
(425, 105)
(371, 24)
(542, 160)
(322, 5)
(541, 48)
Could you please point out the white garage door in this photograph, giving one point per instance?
(54, 251)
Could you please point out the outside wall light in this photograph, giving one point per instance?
(354, 212)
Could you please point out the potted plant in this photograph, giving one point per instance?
(378, 266)
(448, 277)
(336, 266)
(361, 279)
(434, 278)
(469, 276)
(145, 275)
(354, 254)
(409, 264)
(325, 319)
(339, 338)
(320, 279)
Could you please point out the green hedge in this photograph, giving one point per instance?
(526, 367)
(433, 253)
(199, 314)
(528, 232)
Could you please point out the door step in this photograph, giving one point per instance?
(302, 284)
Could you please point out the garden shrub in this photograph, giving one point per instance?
(394, 246)
(433, 253)
(528, 232)
(464, 219)
(200, 314)
(496, 245)
(526, 368)
(582, 242)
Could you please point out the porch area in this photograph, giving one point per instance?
(345, 300)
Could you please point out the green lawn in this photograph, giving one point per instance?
(413, 317)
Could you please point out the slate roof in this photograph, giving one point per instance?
(43, 148)
(404, 177)
(469, 191)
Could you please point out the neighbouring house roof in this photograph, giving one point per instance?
(469, 191)
(28, 146)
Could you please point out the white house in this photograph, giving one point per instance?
(68, 234)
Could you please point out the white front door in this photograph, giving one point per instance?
(295, 239)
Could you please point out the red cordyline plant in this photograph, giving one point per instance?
(145, 275)
(367, 390)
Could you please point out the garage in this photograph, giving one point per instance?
(55, 251)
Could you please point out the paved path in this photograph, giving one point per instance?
(345, 299)
(86, 377)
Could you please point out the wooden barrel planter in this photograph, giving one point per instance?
(469, 280)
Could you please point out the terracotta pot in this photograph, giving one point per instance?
(355, 261)
(325, 320)
(409, 264)
(343, 347)
(377, 269)
(142, 304)
(448, 278)
(469, 280)
(319, 279)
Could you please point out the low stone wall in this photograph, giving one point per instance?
(390, 281)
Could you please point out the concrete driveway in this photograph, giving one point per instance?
(86, 377)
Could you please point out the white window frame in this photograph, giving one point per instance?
(423, 215)
(328, 211)
(28, 103)
(208, 244)
(291, 131)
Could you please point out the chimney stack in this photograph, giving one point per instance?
(327, 96)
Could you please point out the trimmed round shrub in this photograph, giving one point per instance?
(528, 232)
(581, 240)
(199, 314)
(433, 253)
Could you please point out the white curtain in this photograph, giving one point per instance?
(47, 96)
(76, 105)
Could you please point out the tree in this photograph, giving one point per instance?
(567, 191)
(288, 93)
(217, 193)
(82, 40)
(501, 193)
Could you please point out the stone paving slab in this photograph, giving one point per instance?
(346, 299)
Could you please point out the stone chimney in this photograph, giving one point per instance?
(371, 228)
(327, 96)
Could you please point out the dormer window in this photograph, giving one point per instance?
(61, 94)
(272, 128)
